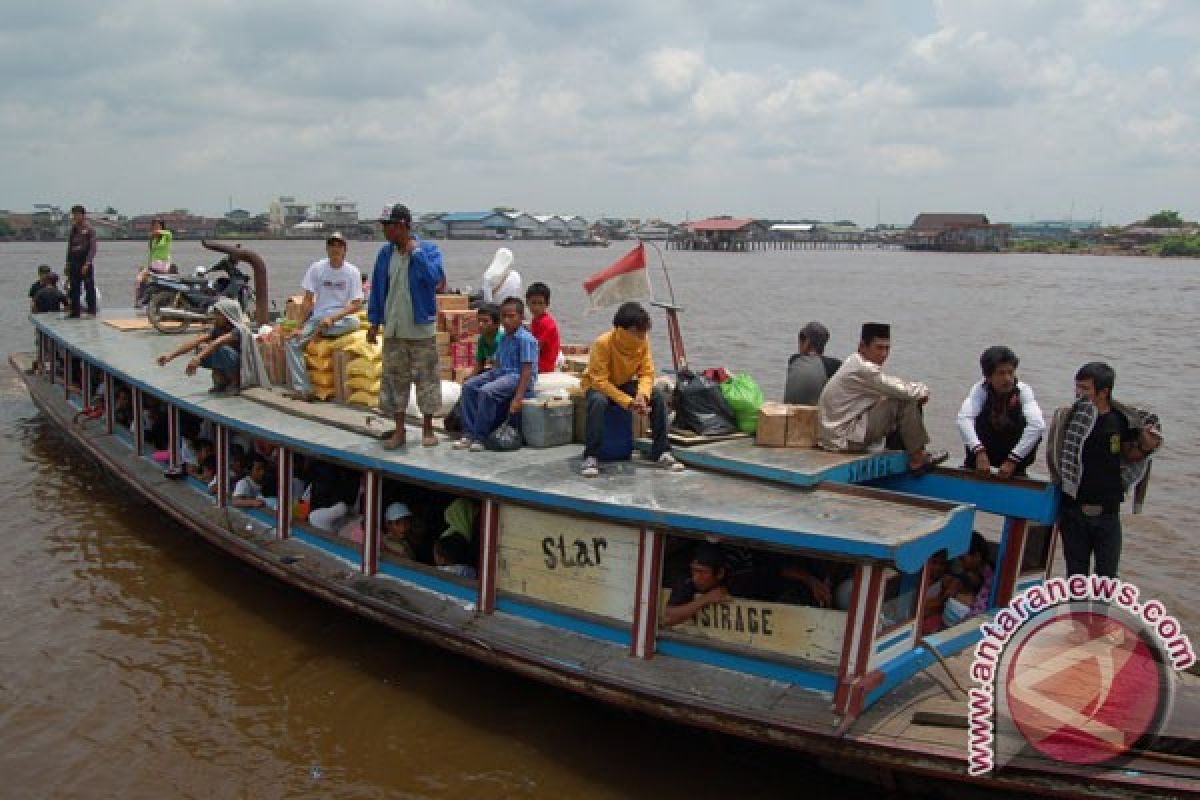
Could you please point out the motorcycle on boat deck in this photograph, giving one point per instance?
(178, 302)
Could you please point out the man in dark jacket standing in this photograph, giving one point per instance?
(403, 300)
(81, 257)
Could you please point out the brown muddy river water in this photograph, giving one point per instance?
(137, 662)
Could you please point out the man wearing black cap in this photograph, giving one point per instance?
(861, 405)
(403, 301)
(810, 368)
(81, 257)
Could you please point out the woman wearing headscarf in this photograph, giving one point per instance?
(227, 348)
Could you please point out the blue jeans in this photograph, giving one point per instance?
(294, 349)
(597, 401)
(226, 360)
(485, 402)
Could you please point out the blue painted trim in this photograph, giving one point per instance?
(993, 496)
(596, 630)
(427, 581)
(197, 484)
(124, 434)
(265, 516)
(908, 557)
(75, 401)
(904, 666)
(870, 467)
(341, 551)
(895, 640)
(809, 679)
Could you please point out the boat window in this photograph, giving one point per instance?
(253, 472)
(122, 408)
(429, 530)
(899, 599)
(737, 595)
(1037, 549)
(330, 501)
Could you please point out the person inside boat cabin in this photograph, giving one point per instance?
(809, 369)
(620, 371)
(861, 405)
(208, 471)
(491, 397)
(452, 553)
(490, 334)
(704, 586)
(1000, 421)
(333, 295)
(248, 493)
(543, 326)
(1098, 449)
(123, 407)
(397, 525)
(49, 297)
(974, 572)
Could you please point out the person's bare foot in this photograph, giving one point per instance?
(429, 440)
(395, 441)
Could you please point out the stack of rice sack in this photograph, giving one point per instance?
(346, 369)
(457, 331)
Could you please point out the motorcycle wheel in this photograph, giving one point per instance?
(161, 300)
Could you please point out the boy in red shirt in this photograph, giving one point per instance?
(543, 327)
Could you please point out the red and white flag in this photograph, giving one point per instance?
(626, 279)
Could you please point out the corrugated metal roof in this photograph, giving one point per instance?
(468, 216)
(719, 224)
(938, 221)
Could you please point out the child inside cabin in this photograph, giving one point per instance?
(451, 553)
(248, 493)
(492, 396)
(490, 334)
(543, 326)
(975, 575)
(397, 525)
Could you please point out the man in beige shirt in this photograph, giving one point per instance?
(860, 405)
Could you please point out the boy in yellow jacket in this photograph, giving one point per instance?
(620, 370)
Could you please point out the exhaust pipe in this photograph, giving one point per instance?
(180, 315)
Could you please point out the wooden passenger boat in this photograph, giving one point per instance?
(571, 586)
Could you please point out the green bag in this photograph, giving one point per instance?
(745, 398)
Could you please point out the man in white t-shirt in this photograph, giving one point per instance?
(333, 294)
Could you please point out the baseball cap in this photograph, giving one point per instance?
(815, 334)
(396, 511)
(336, 236)
(396, 213)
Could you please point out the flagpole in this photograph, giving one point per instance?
(674, 333)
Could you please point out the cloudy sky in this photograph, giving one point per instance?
(829, 108)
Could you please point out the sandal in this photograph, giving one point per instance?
(932, 459)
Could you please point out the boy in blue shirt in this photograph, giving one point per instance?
(487, 396)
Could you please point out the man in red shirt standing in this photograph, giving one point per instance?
(543, 327)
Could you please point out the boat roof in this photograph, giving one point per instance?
(834, 521)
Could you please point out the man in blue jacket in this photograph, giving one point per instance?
(404, 285)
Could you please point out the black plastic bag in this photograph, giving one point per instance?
(506, 438)
(700, 407)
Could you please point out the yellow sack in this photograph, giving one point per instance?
(363, 384)
(364, 368)
(323, 378)
(319, 364)
(324, 392)
(362, 349)
(347, 340)
(319, 347)
(363, 399)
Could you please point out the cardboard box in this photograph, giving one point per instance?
(641, 426)
(274, 360)
(444, 350)
(446, 373)
(458, 323)
(293, 309)
(802, 426)
(772, 425)
(452, 302)
(462, 354)
(442, 337)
